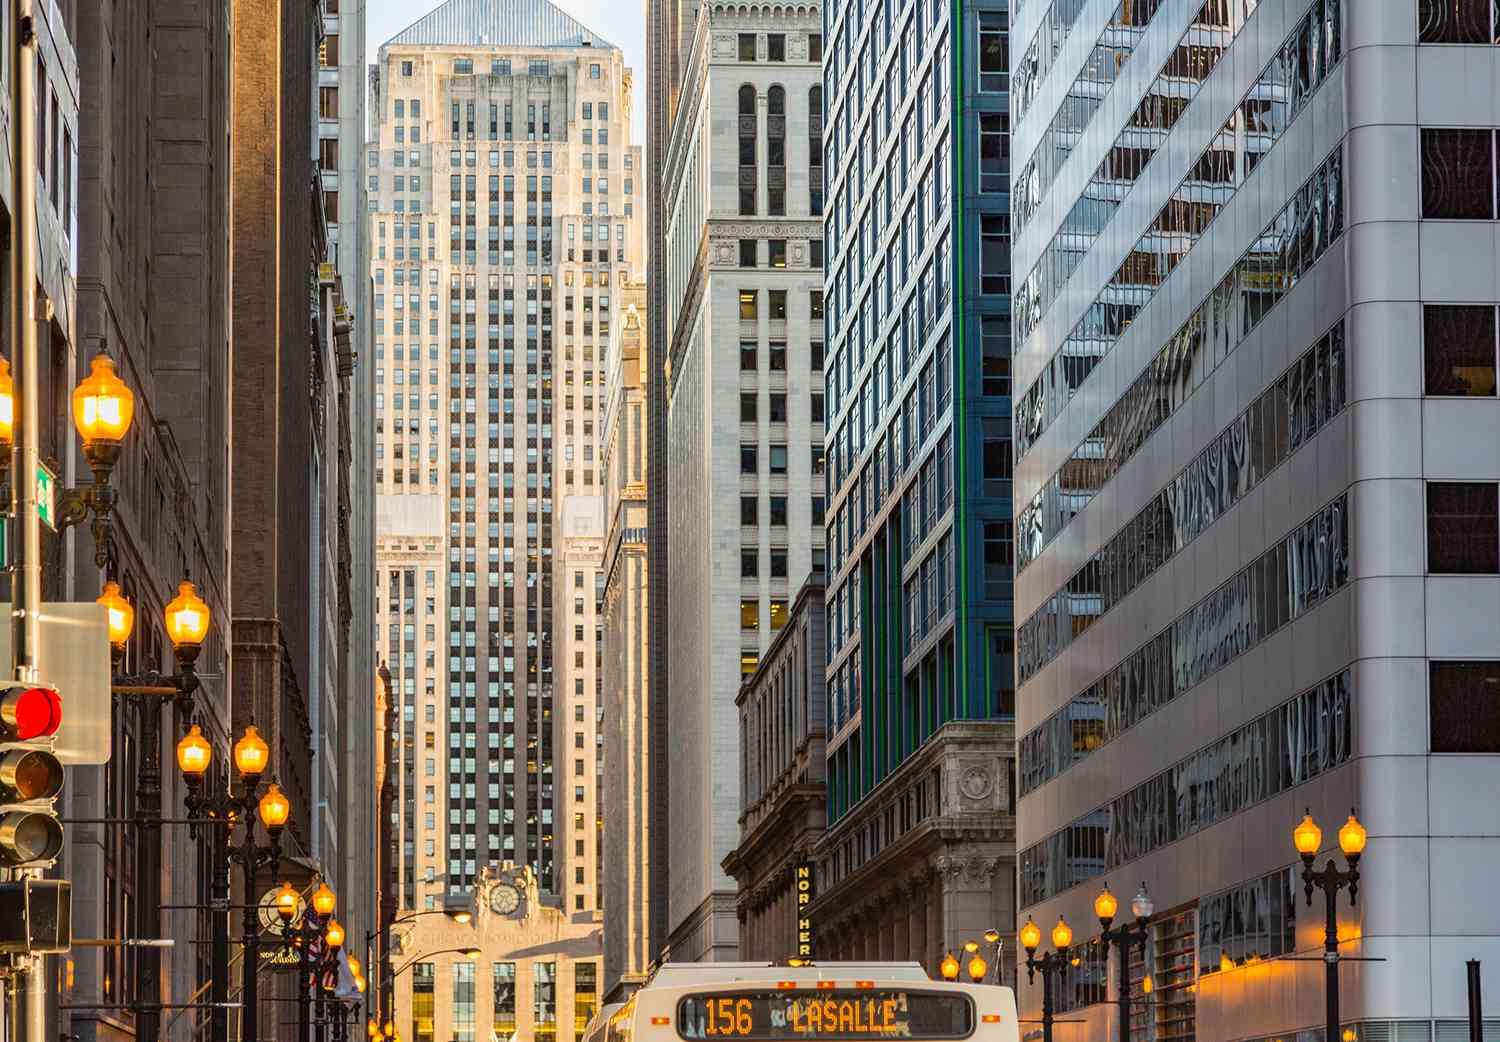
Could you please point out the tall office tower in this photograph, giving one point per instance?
(918, 846)
(626, 877)
(503, 188)
(341, 145)
(1256, 337)
(579, 611)
(744, 309)
(669, 28)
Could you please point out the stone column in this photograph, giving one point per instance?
(901, 922)
(916, 922)
(934, 932)
(968, 906)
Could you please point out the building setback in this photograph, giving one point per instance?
(918, 856)
(1256, 526)
(744, 241)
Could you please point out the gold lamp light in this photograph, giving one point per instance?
(103, 408)
(102, 405)
(274, 808)
(977, 968)
(949, 967)
(334, 935)
(1352, 836)
(187, 618)
(7, 407)
(194, 754)
(1105, 906)
(251, 754)
(286, 902)
(323, 900)
(1031, 936)
(1062, 934)
(121, 614)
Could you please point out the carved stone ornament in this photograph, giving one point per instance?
(723, 45)
(976, 783)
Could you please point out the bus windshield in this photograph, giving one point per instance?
(798, 1013)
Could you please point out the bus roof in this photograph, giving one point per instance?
(689, 974)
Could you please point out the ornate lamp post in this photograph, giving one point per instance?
(1052, 964)
(251, 757)
(1124, 937)
(309, 931)
(103, 407)
(1308, 839)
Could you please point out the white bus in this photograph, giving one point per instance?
(816, 1002)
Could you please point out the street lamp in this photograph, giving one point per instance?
(1308, 839)
(1125, 937)
(103, 423)
(103, 408)
(315, 929)
(251, 756)
(458, 912)
(1053, 964)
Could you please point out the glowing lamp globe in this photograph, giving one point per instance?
(1352, 837)
(472, 953)
(977, 969)
(275, 808)
(1141, 904)
(1031, 936)
(948, 967)
(359, 983)
(286, 902)
(370, 1028)
(334, 934)
(121, 616)
(187, 617)
(251, 753)
(1106, 905)
(1307, 837)
(7, 404)
(323, 901)
(992, 937)
(102, 405)
(194, 753)
(971, 947)
(1062, 934)
(390, 1029)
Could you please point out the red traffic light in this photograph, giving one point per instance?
(30, 712)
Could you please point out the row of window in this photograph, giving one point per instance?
(776, 178)
(1281, 420)
(776, 362)
(776, 253)
(776, 47)
(1053, 28)
(1300, 572)
(1284, 252)
(1263, 115)
(1301, 739)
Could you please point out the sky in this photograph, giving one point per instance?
(621, 22)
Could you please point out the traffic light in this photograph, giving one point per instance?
(31, 775)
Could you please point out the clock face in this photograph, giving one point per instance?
(504, 899)
(270, 919)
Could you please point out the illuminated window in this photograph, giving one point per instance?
(749, 615)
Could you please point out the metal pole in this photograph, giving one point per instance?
(322, 1005)
(219, 909)
(148, 873)
(1123, 950)
(26, 572)
(250, 928)
(1331, 956)
(1046, 1003)
(304, 994)
(1476, 1012)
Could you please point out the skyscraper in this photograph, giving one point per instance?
(744, 305)
(1255, 339)
(503, 197)
(918, 847)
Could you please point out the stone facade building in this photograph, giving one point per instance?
(783, 713)
(626, 789)
(744, 240)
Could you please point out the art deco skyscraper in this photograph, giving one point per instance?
(504, 195)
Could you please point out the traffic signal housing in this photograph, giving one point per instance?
(31, 775)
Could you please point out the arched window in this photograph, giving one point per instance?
(747, 149)
(815, 150)
(776, 151)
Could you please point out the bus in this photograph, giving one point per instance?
(810, 1002)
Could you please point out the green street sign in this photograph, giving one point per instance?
(46, 496)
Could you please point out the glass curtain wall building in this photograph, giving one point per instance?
(919, 521)
(1255, 338)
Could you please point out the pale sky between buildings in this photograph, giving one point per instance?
(621, 22)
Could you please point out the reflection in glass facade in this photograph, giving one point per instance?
(1284, 252)
(504, 1011)
(423, 983)
(1299, 740)
(544, 1001)
(1255, 920)
(463, 1001)
(1280, 94)
(1294, 576)
(1279, 422)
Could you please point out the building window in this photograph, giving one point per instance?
(778, 305)
(994, 253)
(463, 1001)
(777, 252)
(749, 462)
(748, 406)
(778, 511)
(994, 151)
(778, 459)
(749, 563)
(814, 47)
(544, 994)
(505, 999)
(776, 47)
(1463, 528)
(750, 615)
(406, 68)
(748, 361)
(778, 615)
(815, 153)
(585, 995)
(463, 67)
(1458, 174)
(749, 510)
(1458, 349)
(423, 984)
(594, 72)
(776, 151)
(747, 47)
(748, 134)
(1465, 706)
(1457, 21)
(995, 347)
(748, 308)
(994, 53)
(747, 253)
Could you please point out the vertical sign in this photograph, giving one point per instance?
(802, 878)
